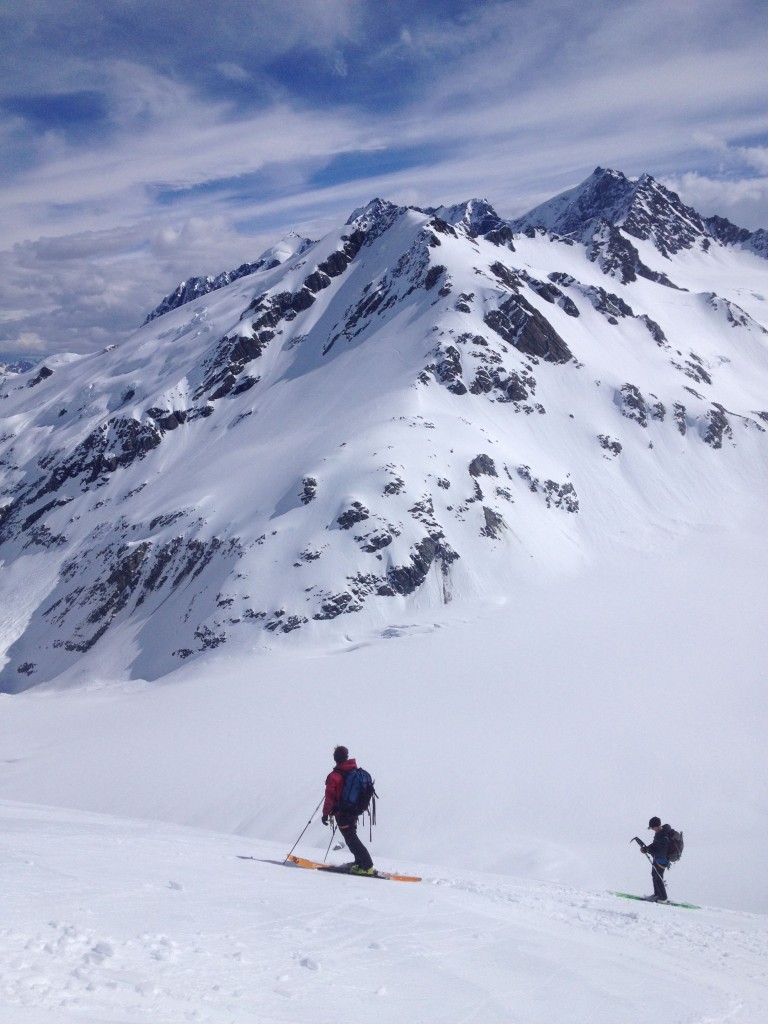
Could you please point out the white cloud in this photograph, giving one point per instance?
(742, 201)
(233, 72)
(29, 344)
(755, 156)
(521, 101)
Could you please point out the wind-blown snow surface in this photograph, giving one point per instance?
(118, 921)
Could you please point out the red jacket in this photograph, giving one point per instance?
(334, 785)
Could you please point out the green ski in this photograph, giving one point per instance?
(644, 899)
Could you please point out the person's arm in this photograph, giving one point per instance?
(332, 793)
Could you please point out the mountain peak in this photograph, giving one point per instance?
(475, 214)
(402, 417)
(373, 212)
(289, 246)
(608, 210)
(604, 195)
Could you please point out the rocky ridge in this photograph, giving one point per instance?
(380, 417)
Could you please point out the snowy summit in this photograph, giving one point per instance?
(404, 412)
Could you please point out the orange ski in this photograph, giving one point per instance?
(302, 862)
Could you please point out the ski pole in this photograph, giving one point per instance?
(303, 831)
(654, 869)
(333, 833)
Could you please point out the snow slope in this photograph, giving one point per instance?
(112, 920)
(543, 732)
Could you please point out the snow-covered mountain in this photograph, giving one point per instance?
(10, 364)
(402, 415)
(609, 207)
(194, 288)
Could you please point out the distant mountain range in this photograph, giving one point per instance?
(16, 364)
(394, 416)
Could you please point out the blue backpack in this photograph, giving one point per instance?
(357, 793)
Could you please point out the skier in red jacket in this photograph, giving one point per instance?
(347, 823)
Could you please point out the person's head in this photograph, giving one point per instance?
(654, 824)
(340, 755)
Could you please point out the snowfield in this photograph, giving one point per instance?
(512, 778)
(116, 920)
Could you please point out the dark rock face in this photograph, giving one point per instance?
(556, 495)
(617, 257)
(15, 364)
(729, 234)
(659, 214)
(406, 579)
(356, 513)
(453, 368)
(632, 404)
(482, 465)
(551, 293)
(604, 195)
(122, 577)
(718, 427)
(433, 276)
(309, 490)
(494, 523)
(479, 219)
(229, 358)
(612, 306)
(338, 261)
(43, 373)
(197, 287)
(317, 281)
(693, 369)
(609, 444)
(509, 279)
(449, 371)
(394, 486)
(655, 330)
(377, 540)
(520, 324)
(116, 444)
(680, 418)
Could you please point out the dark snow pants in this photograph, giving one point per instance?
(348, 828)
(657, 873)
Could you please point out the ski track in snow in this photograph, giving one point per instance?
(112, 920)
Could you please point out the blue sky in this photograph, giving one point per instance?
(144, 141)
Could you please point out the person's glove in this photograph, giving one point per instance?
(324, 819)
(644, 849)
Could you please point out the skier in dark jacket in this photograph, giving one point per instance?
(347, 823)
(658, 850)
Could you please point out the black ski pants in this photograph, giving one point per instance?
(348, 828)
(657, 874)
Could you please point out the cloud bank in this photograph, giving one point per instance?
(142, 143)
